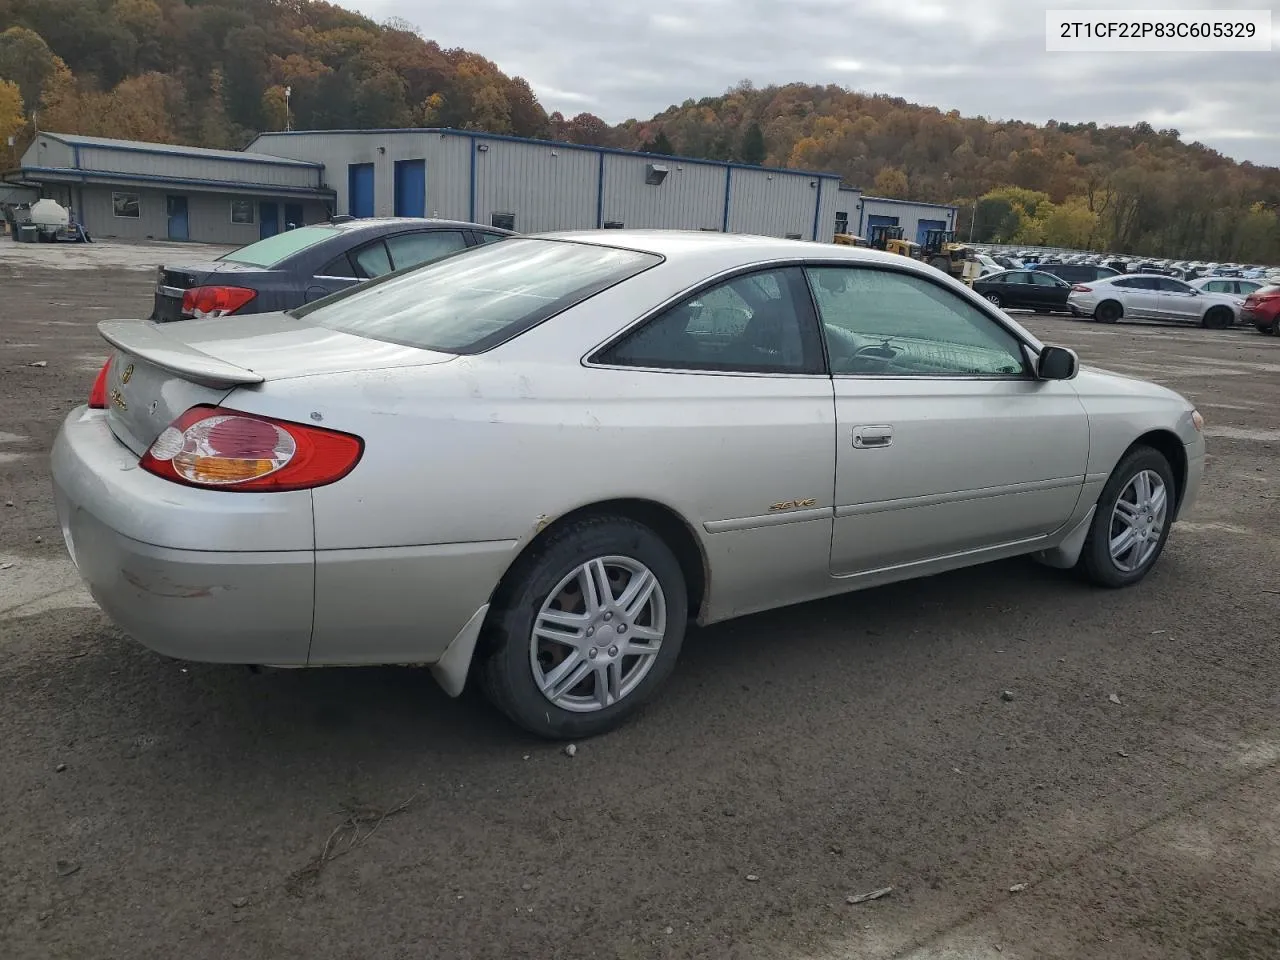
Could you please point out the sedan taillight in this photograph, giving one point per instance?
(202, 302)
(1081, 288)
(98, 393)
(223, 449)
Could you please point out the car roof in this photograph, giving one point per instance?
(714, 245)
(376, 224)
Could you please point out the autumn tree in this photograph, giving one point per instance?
(753, 147)
(891, 182)
(11, 118)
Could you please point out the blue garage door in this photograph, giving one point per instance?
(924, 226)
(360, 189)
(411, 188)
(875, 220)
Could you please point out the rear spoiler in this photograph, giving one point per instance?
(144, 340)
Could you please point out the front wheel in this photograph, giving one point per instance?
(1132, 520)
(1219, 318)
(587, 627)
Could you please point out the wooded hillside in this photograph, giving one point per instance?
(215, 72)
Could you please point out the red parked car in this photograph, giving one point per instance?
(1262, 309)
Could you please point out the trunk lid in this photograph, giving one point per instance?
(159, 371)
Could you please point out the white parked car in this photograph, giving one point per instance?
(1235, 286)
(536, 461)
(1153, 297)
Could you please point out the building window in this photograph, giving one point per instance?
(125, 205)
(794, 236)
(242, 211)
(503, 221)
(842, 222)
(613, 225)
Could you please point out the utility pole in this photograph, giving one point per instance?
(973, 216)
(288, 123)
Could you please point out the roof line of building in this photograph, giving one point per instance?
(911, 203)
(76, 174)
(481, 135)
(232, 156)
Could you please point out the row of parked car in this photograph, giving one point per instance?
(1178, 269)
(1106, 295)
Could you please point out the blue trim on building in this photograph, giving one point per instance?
(910, 203)
(68, 174)
(728, 182)
(177, 152)
(477, 134)
(471, 192)
(600, 193)
(817, 211)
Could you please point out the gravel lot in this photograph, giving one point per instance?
(155, 809)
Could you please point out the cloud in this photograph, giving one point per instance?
(981, 57)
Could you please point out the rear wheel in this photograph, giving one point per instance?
(1108, 312)
(1218, 318)
(995, 299)
(1132, 520)
(587, 627)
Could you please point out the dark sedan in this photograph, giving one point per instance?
(305, 264)
(1029, 289)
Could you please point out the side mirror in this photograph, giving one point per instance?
(1057, 363)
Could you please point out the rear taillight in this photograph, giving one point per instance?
(1081, 288)
(98, 394)
(225, 449)
(201, 302)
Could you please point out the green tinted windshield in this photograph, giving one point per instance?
(272, 250)
(473, 300)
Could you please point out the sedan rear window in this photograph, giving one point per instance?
(274, 250)
(478, 298)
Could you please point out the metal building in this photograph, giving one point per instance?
(535, 185)
(915, 218)
(154, 191)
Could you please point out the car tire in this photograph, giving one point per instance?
(549, 580)
(1108, 311)
(1217, 318)
(1100, 561)
(995, 300)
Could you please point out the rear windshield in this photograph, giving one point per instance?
(273, 250)
(474, 300)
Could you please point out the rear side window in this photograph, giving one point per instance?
(373, 260)
(274, 250)
(411, 249)
(480, 297)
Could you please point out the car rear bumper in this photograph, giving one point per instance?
(136, 541)
(222, 577)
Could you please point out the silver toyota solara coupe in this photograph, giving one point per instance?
(537, 461)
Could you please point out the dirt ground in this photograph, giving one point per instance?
(154, 809)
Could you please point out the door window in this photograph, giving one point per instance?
(1046, 280)
(1169, 285)
(339, 267)
(1019, 277)
(1138, 283)
(373, 260)
(411, 249)
(890, 324)
(485, 237)
(755, 323)
(1215, 286)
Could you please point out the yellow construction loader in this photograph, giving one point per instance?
(942, 251)
(889, 238)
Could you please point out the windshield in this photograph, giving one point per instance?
(273, 250)
(476, 299)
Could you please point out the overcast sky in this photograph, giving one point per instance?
(620, 59)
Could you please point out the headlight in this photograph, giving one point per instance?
(1197, 421)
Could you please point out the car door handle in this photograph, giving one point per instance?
(872, 436)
